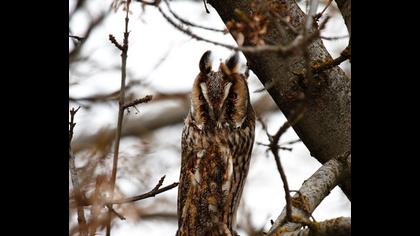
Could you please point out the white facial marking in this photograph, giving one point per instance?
(203, 87)
(239, 124)
(226, 92)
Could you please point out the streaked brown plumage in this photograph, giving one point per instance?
(217, 141)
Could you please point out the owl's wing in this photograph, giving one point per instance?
(187, 153)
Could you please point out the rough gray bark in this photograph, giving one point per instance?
(345, 9)
(340, 226)
(325, 127)
(312, 192)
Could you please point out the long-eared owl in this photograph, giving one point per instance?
(217, 141)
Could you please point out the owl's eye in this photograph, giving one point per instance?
(234, 95)
(201, 97)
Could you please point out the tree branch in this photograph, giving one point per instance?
(152, 193)
(139, 126)
(325, 129)
(274, 147)
(156, 190)
(312, 192)
(145, 99)
(190, 23)
(340, 226)
(124, 49)
(283, 50)
(74, 179)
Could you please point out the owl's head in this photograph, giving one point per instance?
(221, 97)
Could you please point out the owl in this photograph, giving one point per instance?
(217, 141)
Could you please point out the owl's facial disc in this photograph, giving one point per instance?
(215, 95)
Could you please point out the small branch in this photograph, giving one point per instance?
(312, 192)
(282, 50)
(291, 142)
(345, 54)
(154, 3)
(124, 50)
(156, 190)
(285, 183)
(104, 97)
(78, 38)
(190, 23)
(205, 6)
(274, 147)
(340, 226)
(334, 38)
(152, 193)
(114, 41)
(74, 179)
(75, 52)
(71, 123)
(317, 16)
(145, 99)
(275, 150)
(115, 212)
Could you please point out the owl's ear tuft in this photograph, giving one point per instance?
(205, 62)
(232, 63)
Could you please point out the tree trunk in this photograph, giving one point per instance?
(325, 126)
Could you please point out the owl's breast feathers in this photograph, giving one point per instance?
(215, 163)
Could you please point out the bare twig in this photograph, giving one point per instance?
(154, 3)
(282, 50)
(205, 6)
(74, 179)
(114, 41)
(274, 147)
(78, 38)
(104, 97)
(109, 206)
(145, 99)
(73, 54)
(190, 23)
(334, 38)
(312, 192)
(317, 16)
(290, 142)
(124, 50)
(71, 123)
(156, 190)
(345, 54)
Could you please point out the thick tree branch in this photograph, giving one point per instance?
(325, 128)
(312, 192)
(340, 226)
